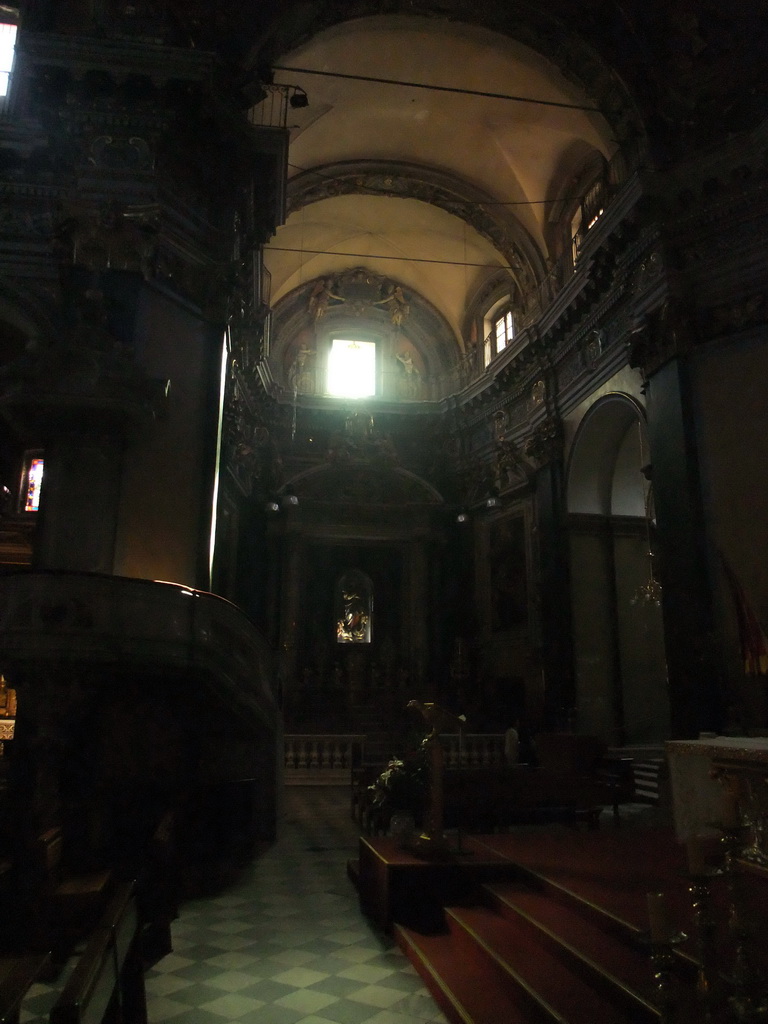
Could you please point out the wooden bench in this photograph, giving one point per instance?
(107, 984)
(66, 905)
(17, 973)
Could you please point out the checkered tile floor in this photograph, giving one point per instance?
(286, 944)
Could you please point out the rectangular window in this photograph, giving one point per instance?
(505, 331)
(351, 368)
(32, 483)
(7, 45)
(501, 336)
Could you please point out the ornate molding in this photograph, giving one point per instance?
(666, 335)
(411, 181)
(739, 315)
(109, 237)
(545, 443)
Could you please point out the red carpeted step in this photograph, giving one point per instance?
(606, 954)
(620, 911)
(467, 985)
(512, 946)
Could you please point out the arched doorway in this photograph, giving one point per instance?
(619, 659)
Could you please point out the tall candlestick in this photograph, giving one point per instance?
(658, 918)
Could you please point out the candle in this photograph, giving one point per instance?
(696, 862)
(658, 918)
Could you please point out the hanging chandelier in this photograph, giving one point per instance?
(650, 591)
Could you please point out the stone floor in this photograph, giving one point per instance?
(285, 944)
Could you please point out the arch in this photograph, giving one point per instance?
(401, 180)
(600, 478)
(578, 61)
(365, 309)
(617, 627)
(392, 485)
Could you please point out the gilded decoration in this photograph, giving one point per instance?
(111, 237)
(359, 293)
(250, 452)
(593, 349)
(545, 444)
(511, 468)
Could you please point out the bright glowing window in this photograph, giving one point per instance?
(505, 331)
(32, 483)
(7, 44)
(351, 368)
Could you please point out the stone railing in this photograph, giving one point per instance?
(473, 749)
(321, 760)
(328, 760)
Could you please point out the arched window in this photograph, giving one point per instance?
(354, 609)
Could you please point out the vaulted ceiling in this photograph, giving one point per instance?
(436, 183)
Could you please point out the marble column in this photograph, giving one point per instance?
(695, 676)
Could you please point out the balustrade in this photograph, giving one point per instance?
(322, 760)
(473, 750)
(327, 760)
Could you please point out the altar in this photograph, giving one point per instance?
(718, 780)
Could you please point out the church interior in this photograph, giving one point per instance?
(358, 355)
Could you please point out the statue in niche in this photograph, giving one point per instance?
(302, 372)
(395, 300)
(398, 308)
(321, 295)
(353, 624)
(409, 383)
(353, 604)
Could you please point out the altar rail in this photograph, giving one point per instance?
(328, 760)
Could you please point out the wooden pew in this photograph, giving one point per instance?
(107, 985)
(66, 906)
(17, 973)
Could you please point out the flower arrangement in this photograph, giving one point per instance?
(402, 786)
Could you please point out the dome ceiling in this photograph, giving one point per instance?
(436, 189)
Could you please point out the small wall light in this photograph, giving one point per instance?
(298, 98)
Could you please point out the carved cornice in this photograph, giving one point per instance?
(664, 336)
(121, 59)
(740, 314)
